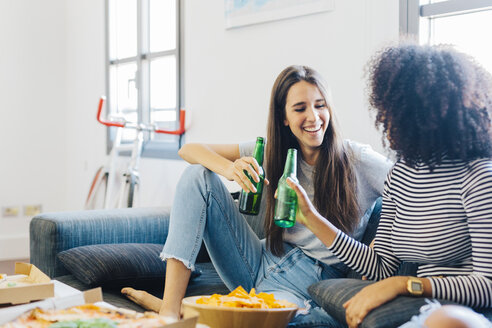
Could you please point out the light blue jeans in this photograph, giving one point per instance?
(204, 210)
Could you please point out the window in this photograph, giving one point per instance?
(143, 68)
(463, 23)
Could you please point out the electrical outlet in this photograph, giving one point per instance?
(10, 211)
(32, 210)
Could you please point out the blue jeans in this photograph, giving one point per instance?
(204, 210)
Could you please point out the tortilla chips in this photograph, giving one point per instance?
(239, 298)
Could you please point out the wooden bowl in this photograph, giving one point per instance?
(227, 317)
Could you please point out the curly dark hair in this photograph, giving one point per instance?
(431, 102)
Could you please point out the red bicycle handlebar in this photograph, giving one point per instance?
(100, 120)
(180, 131)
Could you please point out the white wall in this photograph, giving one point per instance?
(229, 73)
(228, 77)
(85, 81)
(33, 114)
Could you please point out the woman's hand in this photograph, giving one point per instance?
(306, 209)
(309, 216)
(236, 172)
(371, 297)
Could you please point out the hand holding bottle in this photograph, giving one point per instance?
(250, 200)
(238, 171)
(305, 208)
(309, 216)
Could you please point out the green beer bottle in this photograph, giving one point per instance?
(286, 202)
(249, 202)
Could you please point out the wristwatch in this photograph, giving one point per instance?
(415, 286)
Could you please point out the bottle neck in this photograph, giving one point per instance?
(290, 168)
(258, 152)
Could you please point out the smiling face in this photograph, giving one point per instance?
(307, 115)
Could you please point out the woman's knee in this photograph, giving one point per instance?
(194, 172)
(455, 316)
(197, 175)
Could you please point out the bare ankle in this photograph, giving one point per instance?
(170, 308)
(170, 314)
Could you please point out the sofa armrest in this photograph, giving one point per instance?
(51, 233)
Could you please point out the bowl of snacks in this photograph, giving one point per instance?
(240, 309)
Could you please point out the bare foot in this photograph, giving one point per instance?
(142, 298)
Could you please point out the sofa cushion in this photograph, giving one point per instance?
(208, 283)
(115, 264)
(331, 294)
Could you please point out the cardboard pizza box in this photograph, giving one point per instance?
(28, 284)
(66, 296)
(190, 320)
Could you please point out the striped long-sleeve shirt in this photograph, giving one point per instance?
(441, 220)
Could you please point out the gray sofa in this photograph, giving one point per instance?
(53, 233)
(117, 248)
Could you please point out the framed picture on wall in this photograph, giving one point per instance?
(248, 12)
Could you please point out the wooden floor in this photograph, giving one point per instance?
(8, 266)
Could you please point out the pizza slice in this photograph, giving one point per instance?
(88, 315)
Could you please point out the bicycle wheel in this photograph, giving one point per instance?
(97, 192)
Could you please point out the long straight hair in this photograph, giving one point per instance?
(334, 179)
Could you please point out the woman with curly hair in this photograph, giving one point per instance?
(434, 107)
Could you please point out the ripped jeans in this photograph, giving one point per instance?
(204, 210)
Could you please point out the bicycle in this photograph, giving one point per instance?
(101, 192)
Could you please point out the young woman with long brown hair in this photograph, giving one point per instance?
(342, 178)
